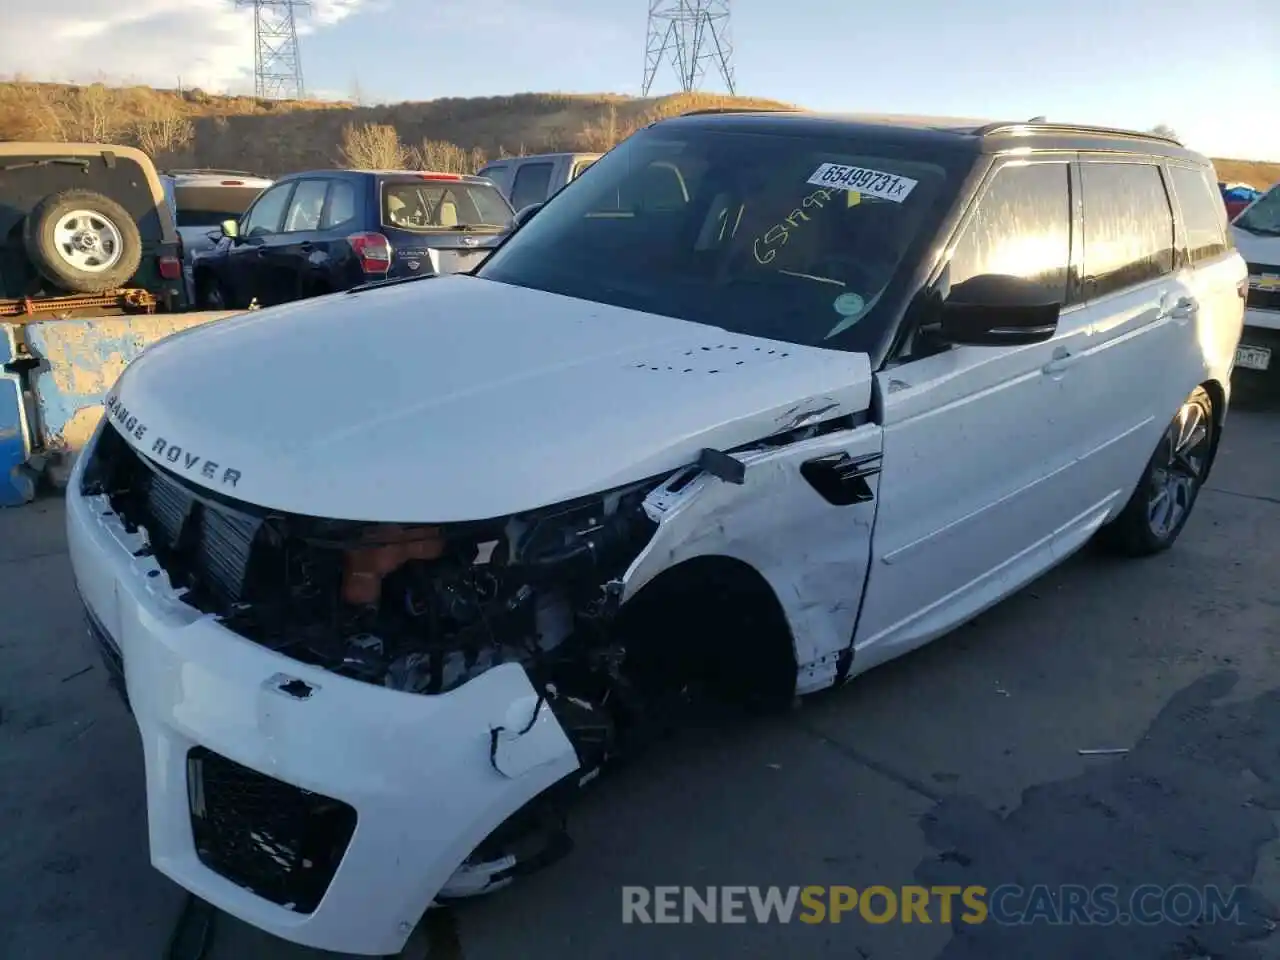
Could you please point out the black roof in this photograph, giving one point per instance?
(982, 136)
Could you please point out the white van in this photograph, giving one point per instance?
(1257, 235)
(765, 401)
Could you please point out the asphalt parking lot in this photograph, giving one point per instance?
(956, 765)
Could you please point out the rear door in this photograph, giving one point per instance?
(1135, 357)
(1215, 271)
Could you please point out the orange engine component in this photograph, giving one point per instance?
(365, 567)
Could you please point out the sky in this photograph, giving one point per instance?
(1209, 70)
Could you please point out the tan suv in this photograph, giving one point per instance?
(85, 219)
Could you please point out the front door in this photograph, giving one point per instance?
(975, 480)
(287, 273)
(247, 258)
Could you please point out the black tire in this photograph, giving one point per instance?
(1173, 478)
(54, 260)
(210, 293)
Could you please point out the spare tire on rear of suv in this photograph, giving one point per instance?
(82, 241)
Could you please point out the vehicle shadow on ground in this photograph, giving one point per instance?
(1153, 816)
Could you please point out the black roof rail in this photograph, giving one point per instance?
(1003, 126)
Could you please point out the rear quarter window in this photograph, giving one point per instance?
(1204, 217)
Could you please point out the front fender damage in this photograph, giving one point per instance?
(425, 609)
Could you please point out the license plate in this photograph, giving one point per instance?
(1253, 358)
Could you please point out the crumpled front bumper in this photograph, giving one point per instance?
(425, 775)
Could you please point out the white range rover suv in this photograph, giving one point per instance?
(757, 403)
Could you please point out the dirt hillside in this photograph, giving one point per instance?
(193, 128)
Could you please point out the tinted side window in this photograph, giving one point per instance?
(1021, 227)
(342, 205)
(1128, 226)
(1204, 217)
(267, 213)
(531, 183)
(304, 209)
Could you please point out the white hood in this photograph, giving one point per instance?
(458, 398)
(1257, 249)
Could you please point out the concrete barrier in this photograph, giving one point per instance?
(79, 362)
(17, 480)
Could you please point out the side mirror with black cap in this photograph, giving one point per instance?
(525, 213)
(996, 310)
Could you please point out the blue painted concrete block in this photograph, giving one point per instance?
(17, 482)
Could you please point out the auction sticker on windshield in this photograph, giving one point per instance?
(872, 183)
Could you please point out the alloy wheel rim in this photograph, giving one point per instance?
(88, 241)
(1178, 468)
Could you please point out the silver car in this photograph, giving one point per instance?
(200, 200)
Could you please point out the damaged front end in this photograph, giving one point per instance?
(419, 608)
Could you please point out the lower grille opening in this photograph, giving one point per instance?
(112, 660)
(278, 841)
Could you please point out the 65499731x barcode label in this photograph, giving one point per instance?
(871, 183)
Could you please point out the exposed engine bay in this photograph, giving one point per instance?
(420, 609)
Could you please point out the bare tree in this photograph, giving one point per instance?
(92, 115)
(162, 130)
(372, 146)
(440, 156)
(1164, 130)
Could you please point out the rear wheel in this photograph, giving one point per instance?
(1160, 506)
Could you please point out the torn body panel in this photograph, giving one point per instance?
(812, 553)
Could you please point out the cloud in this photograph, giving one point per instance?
(202, 43)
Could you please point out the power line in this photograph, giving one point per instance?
(689, 34)
(277, 65)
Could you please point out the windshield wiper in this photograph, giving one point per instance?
(477, 226)
(392, 282)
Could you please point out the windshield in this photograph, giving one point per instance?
(1264, 216)
(791, 238)
(427, 206)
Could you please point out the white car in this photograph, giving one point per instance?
(1257, 236)
(757, 403)
(200, 201)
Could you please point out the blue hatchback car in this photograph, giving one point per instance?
(330, 230)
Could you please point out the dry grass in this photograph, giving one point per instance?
(193, 128)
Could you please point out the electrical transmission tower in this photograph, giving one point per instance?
(688, 33)
(277, 67)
